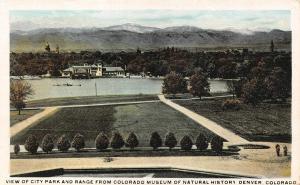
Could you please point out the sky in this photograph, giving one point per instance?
(206, 19)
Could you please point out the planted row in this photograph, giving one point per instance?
(102, 142)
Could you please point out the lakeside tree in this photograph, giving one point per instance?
(199, 84)
(230, 87)
(102, 141)
(155, 140)
(19, 92)
(132, 141)
(47, 143)
(186, 143)
(170, 140)
(201, 142)
(238, 86)
(17, 70)
(276, 84)
(78, 142)
(31, 144)
(234, 87)
(117, 141)
(227, 70)
(174, 83)
(253, 91)
(63, 143)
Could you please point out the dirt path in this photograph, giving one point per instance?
(18, 127)
(209, 124)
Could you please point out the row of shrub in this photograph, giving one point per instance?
(102, 142)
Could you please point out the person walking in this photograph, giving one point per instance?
(277, 147)
(285, 150)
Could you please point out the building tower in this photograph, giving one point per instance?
(272, 46)
(57, 49)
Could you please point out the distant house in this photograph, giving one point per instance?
(92, 71)
(113, 71)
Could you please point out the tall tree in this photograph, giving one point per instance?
(19, 91)
(277, 84)
(199, 84)
(174, 83)
(253, 91)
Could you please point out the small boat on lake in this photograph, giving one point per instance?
(66, 84)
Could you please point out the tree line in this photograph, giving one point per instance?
(102, 142)
(217, 64)
(265, 82)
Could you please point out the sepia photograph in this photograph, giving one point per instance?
(150, 93)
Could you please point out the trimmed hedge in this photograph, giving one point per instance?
(16, 149)
(101, 141)
(63, 143)
(217, 144)
(132, 141)
(155, 140)
(31, 144)
(47, 143)
(170, 141)
(117, 141)
(186, 143)
(201, 142)
(78, 142)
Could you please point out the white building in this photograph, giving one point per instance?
(92, 71)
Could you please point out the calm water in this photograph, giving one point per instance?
(46, 88)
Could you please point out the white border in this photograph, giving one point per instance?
(7, 5)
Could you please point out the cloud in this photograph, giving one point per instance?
(156, 18)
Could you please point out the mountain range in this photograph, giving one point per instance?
(133, 36)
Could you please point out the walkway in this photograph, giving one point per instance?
(15, 129)
(96, 104)
(209, 124)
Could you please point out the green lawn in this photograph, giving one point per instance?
(143, 119)
(15, 117)
(265, 122)
(89, 100)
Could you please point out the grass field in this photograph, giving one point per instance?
(89, 100)
(143, 119)
(265, 122)
(15, 117)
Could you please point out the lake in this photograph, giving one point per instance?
(47, 87)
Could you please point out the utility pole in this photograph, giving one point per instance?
(95, 87)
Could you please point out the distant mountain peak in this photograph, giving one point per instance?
(241, 31)
(132, 27)
(137, 36)
(184, 28)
